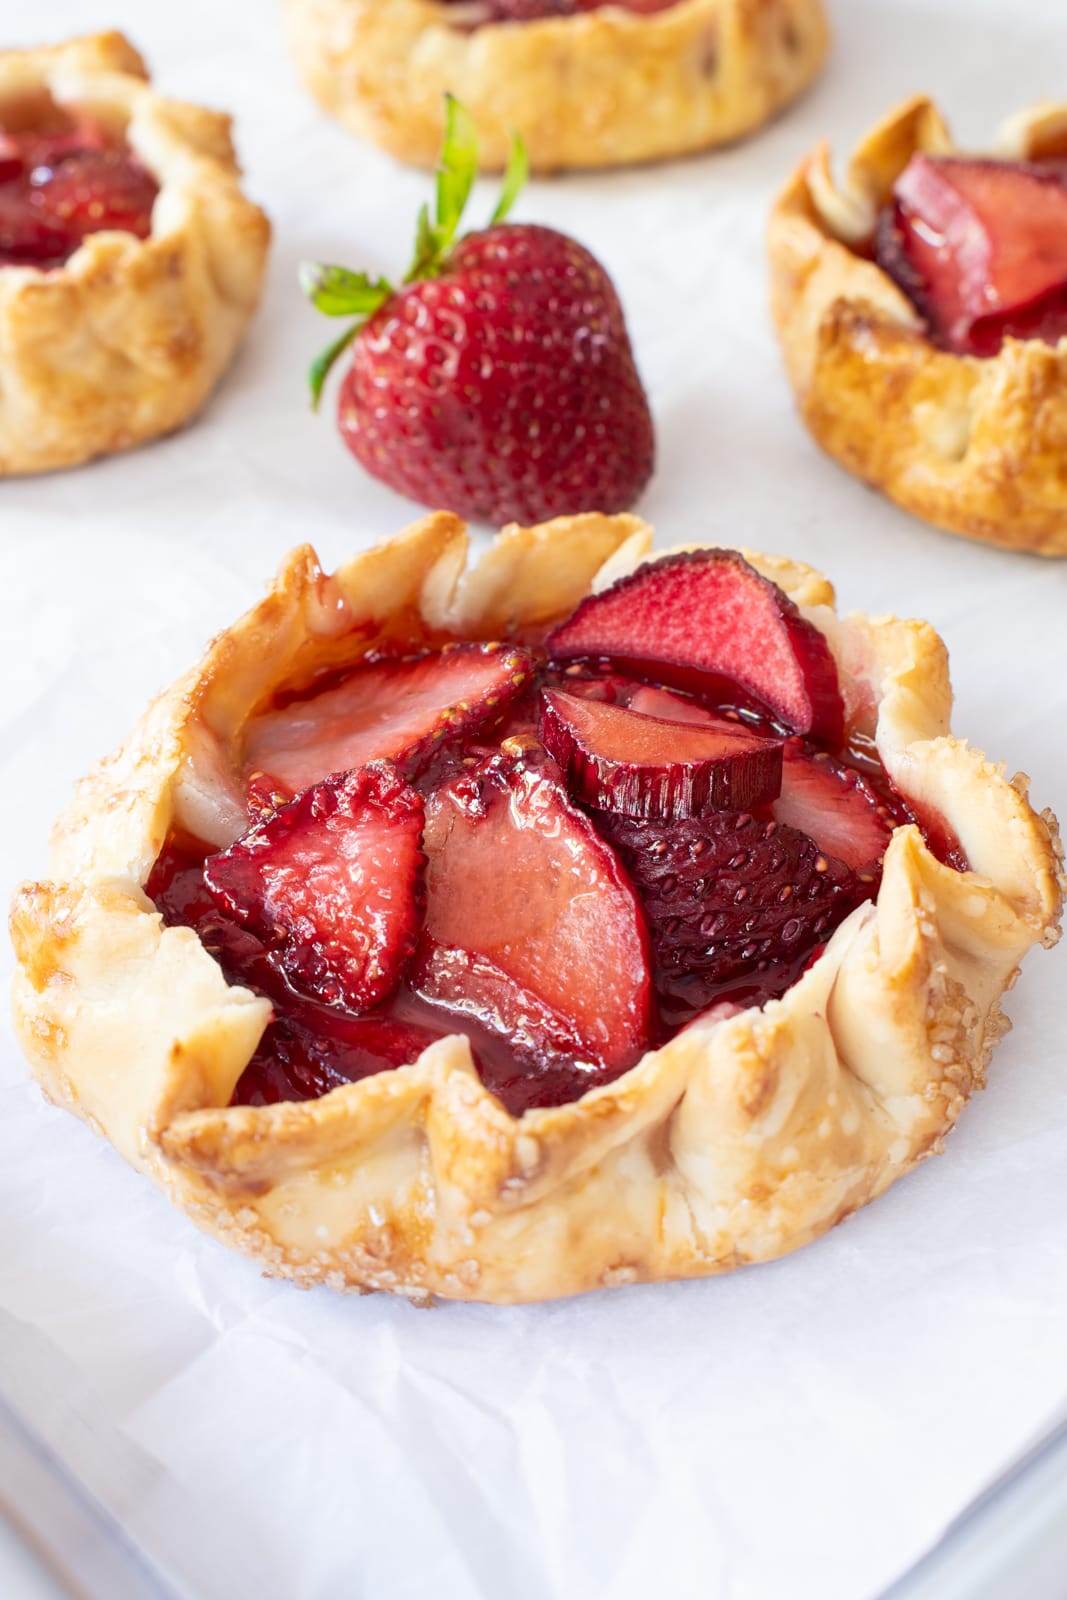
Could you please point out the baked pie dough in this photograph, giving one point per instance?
(602, 88)
(126, 340)
(975, 446)
(736, 1142)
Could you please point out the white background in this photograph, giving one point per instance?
(802, 1429)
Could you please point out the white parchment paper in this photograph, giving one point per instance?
(801, 1429)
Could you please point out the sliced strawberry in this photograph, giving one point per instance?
(330, 883)
(469, 984)
(644, 766)
(531, 926)
(981, 248)
(652, 702)
(402, 710)
(833, 805)
(706, 620)
(93, 190)
(308, 1049)
(732, 902)
(304, 1055)
(526, 1054)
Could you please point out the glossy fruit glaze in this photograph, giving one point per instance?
(62, 182)
(726, 869)
(475, 13)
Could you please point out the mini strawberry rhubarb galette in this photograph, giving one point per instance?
(130, 262)
(922, 310)
(582, 918)
(586, 83)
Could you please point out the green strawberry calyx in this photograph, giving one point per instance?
(337, 292)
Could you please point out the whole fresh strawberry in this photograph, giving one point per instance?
(498, 381)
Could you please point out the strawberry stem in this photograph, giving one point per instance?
(337, 292)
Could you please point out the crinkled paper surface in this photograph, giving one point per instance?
(800, 1429)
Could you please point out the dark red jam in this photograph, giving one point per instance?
(476, 13)
(61, 182)
(790, 904)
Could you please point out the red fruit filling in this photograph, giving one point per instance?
(531, 927)
(733, 902)
(303, 1057)
(476, 12)
(645, 766)
(58, 186)
(402, 710)
(981, 249)
(708, 621)
(330, 883)
(380, 909)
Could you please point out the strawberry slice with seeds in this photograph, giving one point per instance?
(708, 621)
(835, 806)
(645, 766)
(981, 248)
(308, 1049)
(532, 928)
(330, 884)
(401, 710)
(732, 901)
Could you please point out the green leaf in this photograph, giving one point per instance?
(456, 171)
(320, 367)
(518, 170)
(339, 293)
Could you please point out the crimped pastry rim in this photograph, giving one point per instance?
(602, 88)
(974, 446)
(738, 1141)
(69, 388)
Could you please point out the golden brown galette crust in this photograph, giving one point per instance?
(126, 341)
(602, 89)
(978, 447)
(738, 1141)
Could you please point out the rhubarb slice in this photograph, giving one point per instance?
(402, 710)
(531, 926)
(330, 883)
(645, 766)
(981, 248)
(708, 621)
